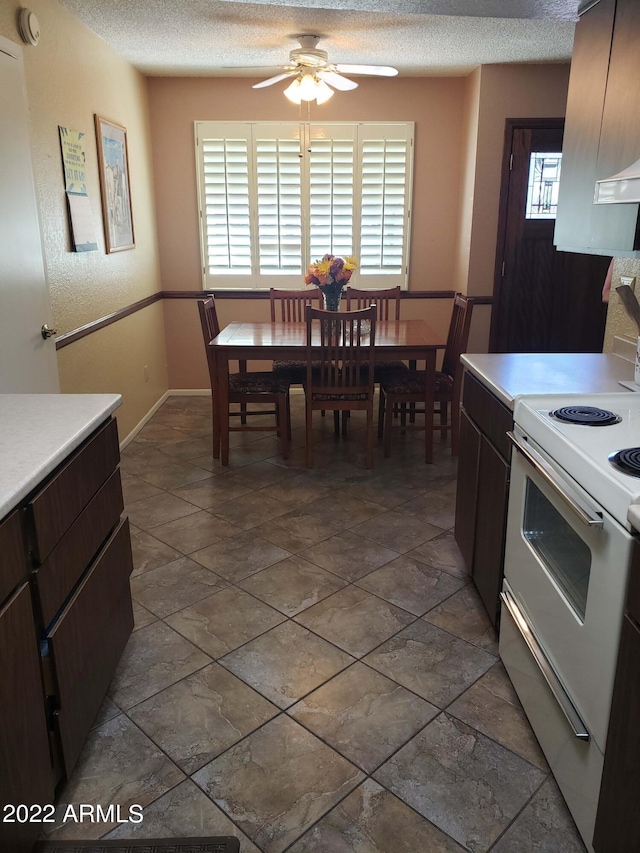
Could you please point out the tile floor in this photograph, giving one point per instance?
(310, 668)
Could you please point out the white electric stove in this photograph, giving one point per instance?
(571, 539)
(583, 451)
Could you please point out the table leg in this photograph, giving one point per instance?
(430, 369)
(222, 407)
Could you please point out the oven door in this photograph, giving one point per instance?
(566, 563)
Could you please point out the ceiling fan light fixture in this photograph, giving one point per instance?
(323, 92)
(308, 87)
(292, 92)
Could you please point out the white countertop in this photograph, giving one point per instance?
(38, 431)
(509, 375)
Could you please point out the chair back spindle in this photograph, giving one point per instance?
(288, 306)
(387, 301)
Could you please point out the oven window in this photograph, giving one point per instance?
(565, 555)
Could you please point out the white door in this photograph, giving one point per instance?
(27, 362)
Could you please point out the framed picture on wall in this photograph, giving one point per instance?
(113, 166)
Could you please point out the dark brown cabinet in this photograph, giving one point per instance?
(602, 130)
(483, 489)
(65, 617)
(467, 491)
(25, 766)
(617, 827)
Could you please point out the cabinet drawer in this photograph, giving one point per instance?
(65, 564)
(87, 640)
(13, 565)
(492, 417)
(54, 509)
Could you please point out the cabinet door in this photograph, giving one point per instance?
(13, 560)
(617, 826)
(585, 105)
(614, 227)
(466, 494)
(25, 765)
(491, 514)
(87, 640)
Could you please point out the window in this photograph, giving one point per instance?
(543, 185)
(274, 197)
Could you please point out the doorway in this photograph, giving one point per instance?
(544, 300)
(28, 362)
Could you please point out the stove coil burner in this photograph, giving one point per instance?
(627, 461)
(586, 416)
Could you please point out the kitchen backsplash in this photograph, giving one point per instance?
(620, 328)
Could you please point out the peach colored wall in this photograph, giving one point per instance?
(468, 160)
(506, 91)
(436, 106)
(71, 75)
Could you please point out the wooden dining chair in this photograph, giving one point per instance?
(387, 301)
(340, 346)
(244, 388)
(288, 306)
(388, 305)
(411, 386)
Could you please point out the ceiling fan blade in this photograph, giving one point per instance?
(273, 80)
(341, 83)
(375, 70)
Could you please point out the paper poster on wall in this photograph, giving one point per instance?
(75, 181)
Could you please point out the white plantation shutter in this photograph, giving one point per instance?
(331, 194)
(386, 171)
(274, 197)
(226, 213)
(279, 201)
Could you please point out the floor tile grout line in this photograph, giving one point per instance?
(286, 710)
(343, 487)
(520, 811)
(292, 619)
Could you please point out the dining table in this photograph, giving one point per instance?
(395, 340)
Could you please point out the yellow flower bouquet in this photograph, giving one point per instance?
(330, 274)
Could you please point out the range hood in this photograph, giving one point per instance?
(623, 188)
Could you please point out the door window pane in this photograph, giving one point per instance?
(544, 180)
(564, 554)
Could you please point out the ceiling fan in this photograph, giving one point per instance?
(314, 77)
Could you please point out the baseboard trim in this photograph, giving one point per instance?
(144, 420)
(175, 392)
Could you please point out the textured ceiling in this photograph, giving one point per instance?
(419, 37)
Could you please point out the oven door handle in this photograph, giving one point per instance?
(546, 668)
(576, 504)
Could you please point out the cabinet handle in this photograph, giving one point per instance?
(548, 672)
(585, 514)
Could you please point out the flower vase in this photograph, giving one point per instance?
(331, 295)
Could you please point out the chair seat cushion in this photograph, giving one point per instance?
(296, 371)
(258, 383)
(412, 382)
(325, 397)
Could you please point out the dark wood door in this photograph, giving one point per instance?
(545, 300)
